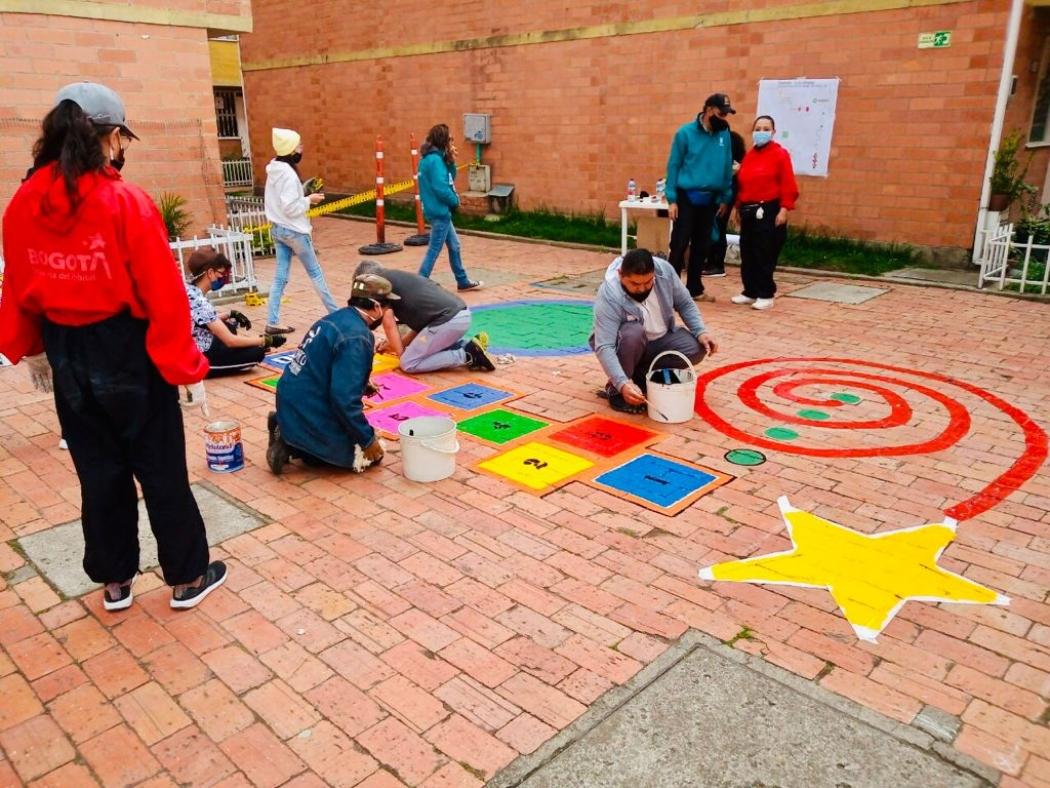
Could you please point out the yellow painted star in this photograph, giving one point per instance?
(869, 576)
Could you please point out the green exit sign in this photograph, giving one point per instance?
(937, 40)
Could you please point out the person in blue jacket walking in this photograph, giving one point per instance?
(437, 175)
(699, 187)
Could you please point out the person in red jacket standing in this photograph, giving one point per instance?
(767, 192)
(94, 302)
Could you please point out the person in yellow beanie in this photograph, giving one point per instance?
(286, 205)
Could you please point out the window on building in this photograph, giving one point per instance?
(1041, 112)
(226, 112)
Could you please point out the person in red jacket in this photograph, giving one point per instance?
(767, 191)
(91, 282)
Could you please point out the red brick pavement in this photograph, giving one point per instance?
(380, 632)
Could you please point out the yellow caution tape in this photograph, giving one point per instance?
(348, 202)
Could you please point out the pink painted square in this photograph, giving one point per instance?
(388, 419)
(393, 386)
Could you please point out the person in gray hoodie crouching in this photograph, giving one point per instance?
(634, 322)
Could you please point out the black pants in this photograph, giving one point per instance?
(227, 360)
(760, 244)
(636, 352)
(692, 231)
(716, 255)
(123, 422)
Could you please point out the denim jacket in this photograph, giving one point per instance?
(319, 405)
(613, 307)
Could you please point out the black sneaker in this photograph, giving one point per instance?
(477, 358)
(120, 599)
(713, 273)
(474, 285)
(214, 576)
(277, 452)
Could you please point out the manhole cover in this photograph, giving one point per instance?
(58, 553)
(838, 293)
(586, 283)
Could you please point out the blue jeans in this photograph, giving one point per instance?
(289, 242)
(438, 347)
(442, 233)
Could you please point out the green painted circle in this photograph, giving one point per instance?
(849, 399)
(535, 328)
(781, 434)
(745, 457)
(813, 415)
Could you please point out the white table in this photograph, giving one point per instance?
(648, 204)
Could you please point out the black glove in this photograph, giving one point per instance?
(274, 340)
(240, 319)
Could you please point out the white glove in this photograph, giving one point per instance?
(196, 396)
(40, 372)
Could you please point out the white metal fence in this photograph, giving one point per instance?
(237, 172)
(1007, 264)
(235, 245)
(243, 214)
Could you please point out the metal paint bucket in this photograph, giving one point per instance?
(222, 446)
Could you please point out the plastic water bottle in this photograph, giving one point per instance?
(661, 189)
(632, 190)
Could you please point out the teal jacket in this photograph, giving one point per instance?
(700, 160)
(435, 186)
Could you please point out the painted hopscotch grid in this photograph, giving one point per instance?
(659, 483)
(278, 361)
(471, 395)
(393, 386)
(537, 467)
(388, 419)
(499, 427)
(266, 383)
(604, 436)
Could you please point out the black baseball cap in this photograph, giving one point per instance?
(720, 101)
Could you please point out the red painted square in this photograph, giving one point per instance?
(604, 437)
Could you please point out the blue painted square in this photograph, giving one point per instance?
(470, 396)
(663, 482)
(280, 360)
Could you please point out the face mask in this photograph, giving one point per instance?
(296, 157)
(117, 162)
(639, 297)
(218, 284)
(375, 324)
(717, 123)
(761, 138)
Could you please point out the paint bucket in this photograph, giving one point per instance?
(222, 446)
(428, 448)
(671, 392)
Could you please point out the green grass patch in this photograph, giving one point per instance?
(804, 248)
(808, 249)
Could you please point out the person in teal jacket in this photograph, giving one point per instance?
(699, 187)
(437, 174)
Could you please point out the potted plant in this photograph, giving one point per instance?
(173, 211)
(1007, 182)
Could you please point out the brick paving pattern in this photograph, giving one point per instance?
(379, 632)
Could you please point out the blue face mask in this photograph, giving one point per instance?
(761, 138)
(218, 284)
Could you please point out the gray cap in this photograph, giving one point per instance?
(102, 105)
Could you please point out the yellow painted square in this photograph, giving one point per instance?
(536, 465)
(384, 362)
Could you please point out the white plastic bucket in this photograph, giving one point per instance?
(671, 392)
(428, 448)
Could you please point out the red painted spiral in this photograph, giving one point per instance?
(887, 388)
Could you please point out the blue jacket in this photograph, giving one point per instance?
(702, 160)
(435, 186)
(319, 404)
(613, 307)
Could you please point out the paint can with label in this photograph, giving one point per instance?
(222, 446)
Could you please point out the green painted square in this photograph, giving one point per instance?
(500, 426)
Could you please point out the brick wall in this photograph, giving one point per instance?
(162, 73)
(573, 120)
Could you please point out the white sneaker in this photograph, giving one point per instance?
(763, 303)
(742, 299)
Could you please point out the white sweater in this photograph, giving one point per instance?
(286, 205)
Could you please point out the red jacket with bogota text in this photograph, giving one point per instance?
(76, 266)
